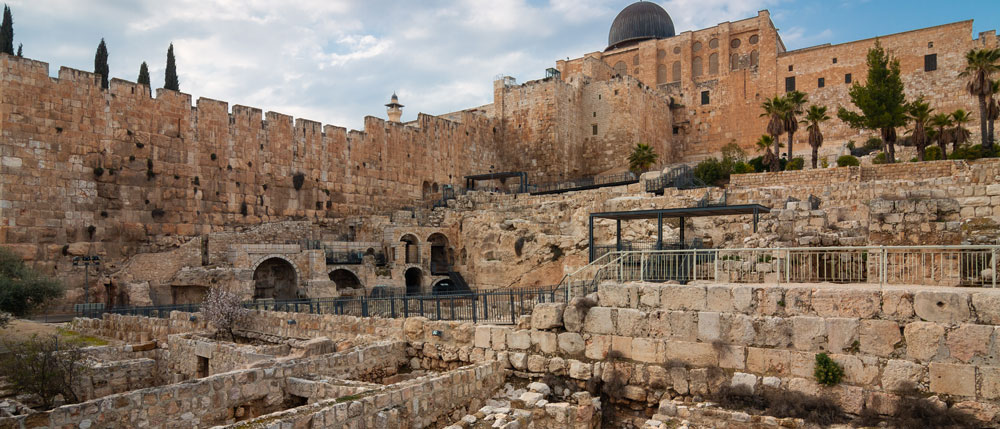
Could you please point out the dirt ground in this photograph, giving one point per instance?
(21, 329)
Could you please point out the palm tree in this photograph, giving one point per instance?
(992, 112)
(766, 143)
(980, 65)
(920, 114)
(794, 101)
(942, 124)
(814, 117)
(774, 109)
(959, 134)
(642, 158)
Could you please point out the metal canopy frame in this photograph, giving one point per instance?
(470, 181)
(680, 213)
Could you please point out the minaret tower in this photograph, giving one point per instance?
(394, 109)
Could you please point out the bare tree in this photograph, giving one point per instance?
(224, 309)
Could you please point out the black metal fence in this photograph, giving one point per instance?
(495, 306)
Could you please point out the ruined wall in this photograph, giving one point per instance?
(105, 170)
(578, 128)
(185, 349)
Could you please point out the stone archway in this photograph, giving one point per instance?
(345, 280)
(440, 260)
(414, 281)
(444, 287)
(275, 278)
(411, 252)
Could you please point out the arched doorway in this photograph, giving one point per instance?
(414, 281)
(345, 280)
(411, 254)
(440, 260)
(275, 278)
(444, 287)
(425, 190)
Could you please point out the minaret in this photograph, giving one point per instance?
(394, 109)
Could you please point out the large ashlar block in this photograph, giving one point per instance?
(923, 340)
(547, 316)
(879, 337)
(941, 306)
(838, 302)
(519, 340)
(808, 333)
(679, 297)
(768, 361)
(546, 342)
(597, 347)
(989, 382)
(902, 375)
(709, 328)
(842, 334)
(571, 343)
(648, 350)
(968, 341)
(599, 320)
(953, 379)
(698, 355)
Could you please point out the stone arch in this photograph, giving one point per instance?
(411, 253)
(275, 277)
(696, 67)
(675, 72)
(425, 189)
(414, 281)
(434, 187)
(443, 287)
(713, 63)
(754, 58)
(440, 260)
(345, 279)
(620, 68)
(661, 74)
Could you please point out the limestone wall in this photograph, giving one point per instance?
(212, 400)
(137, 328)
(185, 349)
(421, 402)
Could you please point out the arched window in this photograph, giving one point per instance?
(713, 63)
(635, 60)
(754, 58)
(696, 67)
(734, 62)
(621, 69)
(675, 72)
(661, 74)
(661, 54)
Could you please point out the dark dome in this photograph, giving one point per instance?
(640, 21)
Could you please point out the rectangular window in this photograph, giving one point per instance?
(835, 60)
(704, 98)
(790, 67)
(595, 114)
(847, 78)
(594, 127)
(677, 130)
(821, 83)
(790, 84)
(930, 62)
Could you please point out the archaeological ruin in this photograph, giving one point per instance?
(503, 266)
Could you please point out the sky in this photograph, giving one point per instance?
(337, 61)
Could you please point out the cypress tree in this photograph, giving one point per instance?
(144, 75)
(7, 32)
(20, 49)
(101, 63)
(881, 100)
(171, 74)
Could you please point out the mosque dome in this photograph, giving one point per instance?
(637, 22)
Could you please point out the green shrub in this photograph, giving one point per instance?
(757, 164)
(795, 164)
(873, 144)
(824, 163)
(848, 161)
(827, 371)
(932, 153)
(733, 152)
(741, 167)
(44, 368)
(970, 153)
(710, 171)
(22, 289)
(879, 159)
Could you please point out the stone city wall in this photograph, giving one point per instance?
(113, 167)
(421, 402)
(211, 400)
(135, 329)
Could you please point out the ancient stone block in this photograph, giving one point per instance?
(545, 341)
(692, 354)
(897, 304)
(498, 338)
(621, 347)
(614, 296)
(576, 313)
(879, 337)
(719, 298)
(678, 297)
(547, 316)
(842, 334)
(941, 306)
(987, 305)
(953, 379)
(599, 321)
(519, 340)
(808, 333)
(579, 370)
(767, 361)
(838, 302)
(597, 347)
(709, 329)
(923, 340)
(570, 343)
(631, 323)
(731, 356)
(989, 382)
(537, 363)
(969, 340)
(902, 376)
(649, 296)
(647, 350)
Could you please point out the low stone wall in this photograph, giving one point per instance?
(135, 329)
(420, 402)
(185, 349)
(115, 369)
(212, 400)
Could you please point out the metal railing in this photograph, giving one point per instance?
(584, 183)
(494, 306)
(964, 266)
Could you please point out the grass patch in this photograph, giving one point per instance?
(83, 340)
